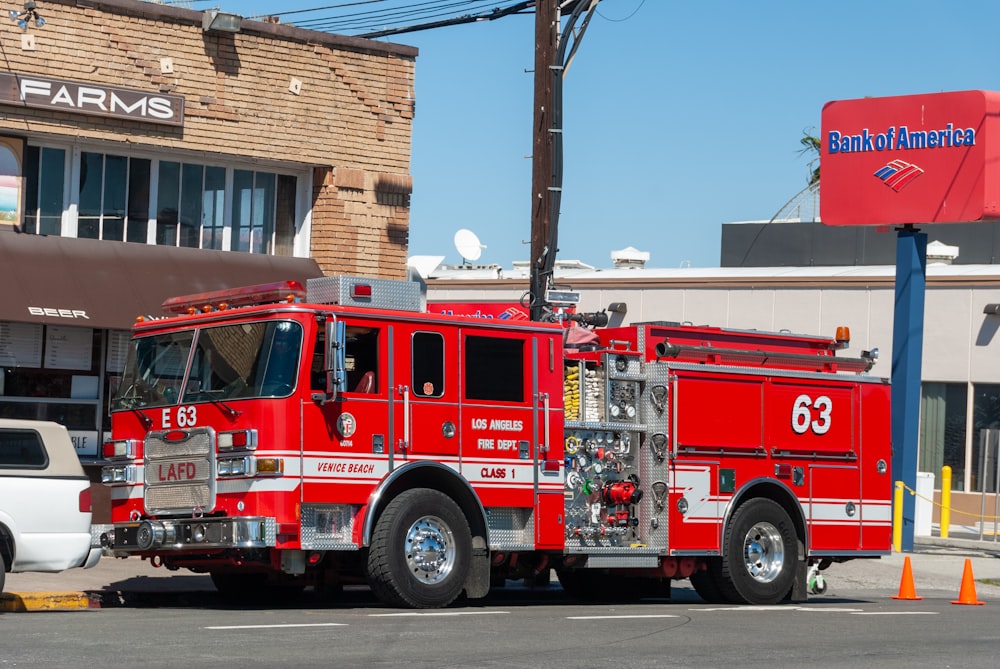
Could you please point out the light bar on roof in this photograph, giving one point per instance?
(264, 293)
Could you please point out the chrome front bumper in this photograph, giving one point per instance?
(187, 534)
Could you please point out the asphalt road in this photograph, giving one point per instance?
(516, 628)
(157, 618)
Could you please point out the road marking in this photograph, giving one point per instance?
(779, 608)
(436, 613)
(264, 627)
(896, 613)
(663, 615)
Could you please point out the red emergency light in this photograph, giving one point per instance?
(361, 291)
(264, 293)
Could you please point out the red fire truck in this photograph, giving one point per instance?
(278, 437)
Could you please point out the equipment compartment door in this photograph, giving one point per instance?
(499, 433)
(834, 508)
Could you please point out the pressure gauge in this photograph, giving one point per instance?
(621, 363)
(598, 468)
(630, 411)
(615, 411)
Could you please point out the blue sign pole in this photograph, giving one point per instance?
(907, 350)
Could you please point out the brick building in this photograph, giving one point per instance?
(145, 153)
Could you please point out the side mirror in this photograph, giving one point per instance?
(333, 363)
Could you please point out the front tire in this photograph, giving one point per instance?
(760, 554)
(420, 552)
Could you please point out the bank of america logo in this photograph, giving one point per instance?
(898, 173)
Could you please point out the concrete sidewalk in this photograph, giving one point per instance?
(937, 566)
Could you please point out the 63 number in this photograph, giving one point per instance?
(811, 415)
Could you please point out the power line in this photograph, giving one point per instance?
(357, 18)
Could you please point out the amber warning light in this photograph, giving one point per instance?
(843, 336)
(217, 300)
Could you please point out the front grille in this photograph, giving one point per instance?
(179, 471)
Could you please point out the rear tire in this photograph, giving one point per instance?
(420, 552)
(760, 554)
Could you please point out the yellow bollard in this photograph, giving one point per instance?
(897, 518)
(945, 500)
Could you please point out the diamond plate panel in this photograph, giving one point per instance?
(511, 528)
(654, 473)
(328, 527)
(384, 293)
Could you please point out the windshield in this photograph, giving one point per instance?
(227, 362)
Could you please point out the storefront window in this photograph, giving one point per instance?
(193, 205)
(138, 201)
(985, 419)
(942, 430)
(45, 178)
(52, 373)
(253, 210)
(213, 209)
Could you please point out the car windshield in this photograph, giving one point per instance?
(227, 362)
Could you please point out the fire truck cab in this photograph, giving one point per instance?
(277, 437)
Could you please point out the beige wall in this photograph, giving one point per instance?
(960, 342)
(350, 124)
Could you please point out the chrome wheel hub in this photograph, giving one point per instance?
(430, 549)
(763, 552)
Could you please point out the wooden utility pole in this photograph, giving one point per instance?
(542, 257)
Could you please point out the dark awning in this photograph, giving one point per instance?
(101, 284)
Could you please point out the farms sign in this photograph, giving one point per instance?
(26, 90)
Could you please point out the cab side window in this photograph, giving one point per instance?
(361, 359)
(428, 364)
(494, 369)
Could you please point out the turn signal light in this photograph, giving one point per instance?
(273, 466)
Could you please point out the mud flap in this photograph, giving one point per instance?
(477, 584)
(800, 586)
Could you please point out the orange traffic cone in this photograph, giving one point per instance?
(967, 595)
(906, 590)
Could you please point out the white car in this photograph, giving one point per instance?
(45, 501)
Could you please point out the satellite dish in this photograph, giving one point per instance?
(468, 245)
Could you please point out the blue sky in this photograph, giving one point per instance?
(679, 116)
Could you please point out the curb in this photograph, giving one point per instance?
(23, 602)
(47, 601)
(973, 545)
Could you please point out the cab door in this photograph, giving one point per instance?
(425, 398)
(346, 442)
